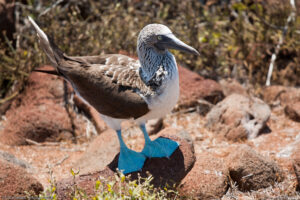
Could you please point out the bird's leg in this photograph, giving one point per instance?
(161, 147)
(129, 160)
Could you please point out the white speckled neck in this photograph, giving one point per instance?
(152, 61)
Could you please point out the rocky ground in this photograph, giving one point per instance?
(233, 144)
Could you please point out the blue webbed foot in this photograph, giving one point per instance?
(130, 161)
(159, 148)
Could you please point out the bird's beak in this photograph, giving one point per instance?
(170, 41)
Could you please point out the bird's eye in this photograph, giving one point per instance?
(159, 37)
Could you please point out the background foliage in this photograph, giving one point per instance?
(235, 38)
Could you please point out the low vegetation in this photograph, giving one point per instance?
(119, 187)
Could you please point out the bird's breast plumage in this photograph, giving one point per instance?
(167, 92)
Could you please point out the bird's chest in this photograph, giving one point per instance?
(164, 83)
(166, 97)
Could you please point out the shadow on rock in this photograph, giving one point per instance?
(164, 171)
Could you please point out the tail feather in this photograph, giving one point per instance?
(52, 72)
(52, 51)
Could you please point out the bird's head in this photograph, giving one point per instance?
(160, 38)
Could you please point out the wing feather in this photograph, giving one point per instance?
(110, 83)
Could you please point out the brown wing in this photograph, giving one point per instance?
(110, 83)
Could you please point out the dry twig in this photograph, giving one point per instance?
(291, 18)
(33, 142)
(62, 160)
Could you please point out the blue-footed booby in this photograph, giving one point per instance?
(122, 88)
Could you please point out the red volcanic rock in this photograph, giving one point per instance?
(15, 181)
(40, 114)
(231, 86)
(272, 93)
(8, 157)
(250, 170)
(100, 152)
(164, 171)
(207, 180)
(39, 123)
(194, 87)
(86, 183)
(153, 126)
(296, 164)
(293, 111)
(288, 97)
(91, 112)
(37, 114)
(292, 95)
(284, 95)
(238, 117)
(41, 88)
(177, 132)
